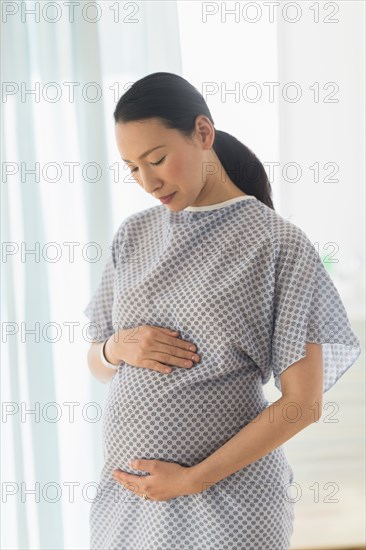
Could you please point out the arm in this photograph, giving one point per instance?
(100, 371)
(299, 406)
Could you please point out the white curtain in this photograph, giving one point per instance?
(62, 202)
(57, 226)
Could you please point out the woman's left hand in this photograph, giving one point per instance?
(167, 480)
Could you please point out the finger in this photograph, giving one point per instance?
(140, 464)
(124, 476)
(182, 359)
(129, 482)
(169, 331)
(173, 341)
(176, 348)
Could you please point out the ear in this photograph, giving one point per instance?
(205, 131)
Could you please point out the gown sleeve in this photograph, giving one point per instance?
(99, 308)
(308, 308)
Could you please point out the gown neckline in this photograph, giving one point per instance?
(218, 205)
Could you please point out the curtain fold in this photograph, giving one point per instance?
(45, 213)
(33, 314)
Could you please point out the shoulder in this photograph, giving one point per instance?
(280, 231)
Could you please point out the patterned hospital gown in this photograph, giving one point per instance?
(249, 289)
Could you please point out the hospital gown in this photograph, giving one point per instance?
(249, 289)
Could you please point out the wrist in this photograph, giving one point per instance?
(110, 353)
(107, 360)
(195, 480)
(201, 478)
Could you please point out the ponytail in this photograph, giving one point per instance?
(243, 167)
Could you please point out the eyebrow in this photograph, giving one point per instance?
(146, 153)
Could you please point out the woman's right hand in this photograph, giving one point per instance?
(152, 347)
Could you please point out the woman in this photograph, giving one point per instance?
(194, 457)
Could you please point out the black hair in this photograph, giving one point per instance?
(177, 103)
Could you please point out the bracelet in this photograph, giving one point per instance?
(104, 360)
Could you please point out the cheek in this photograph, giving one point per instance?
(183, 166)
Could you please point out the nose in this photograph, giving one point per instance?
(149, 183)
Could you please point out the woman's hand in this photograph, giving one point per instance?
(167, 480)
(152, 347)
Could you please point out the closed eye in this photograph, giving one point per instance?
(153, 164)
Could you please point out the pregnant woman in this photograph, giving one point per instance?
(203, 297)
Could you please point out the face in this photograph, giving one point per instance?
(177, 164)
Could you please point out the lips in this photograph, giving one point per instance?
(166, 196)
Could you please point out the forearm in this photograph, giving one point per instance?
(268, 430)
(97, 368)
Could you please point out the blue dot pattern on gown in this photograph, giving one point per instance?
(249, 289)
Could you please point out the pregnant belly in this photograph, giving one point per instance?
(174, 417)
